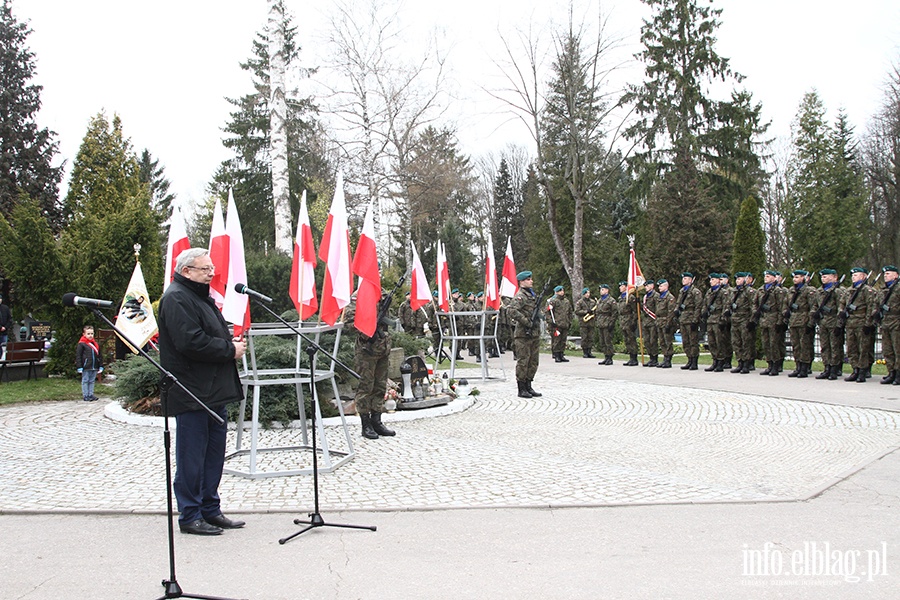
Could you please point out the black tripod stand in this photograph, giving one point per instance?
(172, 589)
(315, 517)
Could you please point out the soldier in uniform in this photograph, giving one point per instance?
(458, 304)
(560, 310)
(407, 320)
(858, 313)
(743, 338)
(468, 324)
(727, 294)
(714, 313)
(768, 317)
(526, 320)
(587, 321)
(434, 326)
(665, 322)
(505, 333)
(627, 305)
(606, 322)
(797, 316)
(826, 306)
(650, 331)
(889, 315)
(372, 357)
(690, 303)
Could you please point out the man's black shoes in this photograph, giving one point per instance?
(199, 527)
(224, 522)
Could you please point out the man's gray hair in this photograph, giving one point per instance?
(187, 258)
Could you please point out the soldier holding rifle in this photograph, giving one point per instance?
(889, 316)
(858, 317)
(831, 333)
(525, 313)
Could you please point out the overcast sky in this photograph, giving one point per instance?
(166, 66)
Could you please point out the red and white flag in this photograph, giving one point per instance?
(303, 277)
(365, 266)
(178, 243)
(334, 250)
(420, 293)
(491, 295)
(236, 308)
(218, 254)
(635, 277)
(443, 279)
(509, 283)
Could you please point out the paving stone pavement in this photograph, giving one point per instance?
(587, 442)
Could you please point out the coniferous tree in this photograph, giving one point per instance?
(153, 174)
(749, 247)
(26, 151)
(509, 219)
(881, 151)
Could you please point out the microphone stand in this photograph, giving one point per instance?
(172, 589)
(315, 517)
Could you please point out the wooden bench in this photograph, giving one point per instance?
(22, 353)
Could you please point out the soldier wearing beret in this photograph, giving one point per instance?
(800, 325)
(606, 321)
(889, 315)
(666, 323)
(727, 350)
(714, 313)
(587, 321)
(743, 334)
(560, 310)
(858, 313)
(768, 318)
(627, 305)
(527, 333)
(690, 305)
(650, 330)
(826, 307)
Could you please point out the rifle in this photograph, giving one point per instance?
(712, 304)
(817, 316)
(384, 306)
(757, 315)
(536, 315)
(845, 314)
(879, 316)
(790, 308)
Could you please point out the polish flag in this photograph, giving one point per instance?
(420, 292)
(635, 277)
(218, 254)
(236, 308)
(443, 279)
(178, 243)
(365, 266)
(303, 278)
(509, 284)
(334, 250)
(491, 297)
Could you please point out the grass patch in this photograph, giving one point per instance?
(41, 389)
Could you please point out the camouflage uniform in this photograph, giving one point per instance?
(527, 335)
(584, 307)
(690, 302)
(560, 309)
(715, 304)
(627, 305)
(407, 320)
(826, 306)
(666, 323)
(770, 306)
(889, 315)
(648, 325)
(606, 321)
(743, 335)
(859, 314)
(800, 324)
(372, 358)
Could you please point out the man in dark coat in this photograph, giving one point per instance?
(196, 346)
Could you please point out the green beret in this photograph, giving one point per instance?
(604, 286)
(796, 272)
(662, 281)
(724, 275)
(470, 294)
(827, 272)
(558, 288)
(649, 281)
(859, 270)
(407, 293)
(890, 268)
(454, 291)
(687, 274)
(524, 275)
(713, 275)
(623, 283)
(772, 273)
(585, 290)
(479, 294)
(434, 293)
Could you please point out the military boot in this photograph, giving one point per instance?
(739, 367)
(632, 360)
(745, 367)
(379, 427)
(688, 364)
(852, 376)
(835, 372)
(523, 389)
(863, 375)
(654, 361)
(768, 368)
(693, 366)
(556, 357)
(531, 389)
(367, 430)
(804, 370)
(824, 374)
(585, 352)
(667, 362)
(713, 366)
(590, 354)
(796, 371)
(720, 367)
(889, 378)
(562, 357)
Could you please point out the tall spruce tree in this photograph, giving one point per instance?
(881, 151)
(26, 151)
(749, 247)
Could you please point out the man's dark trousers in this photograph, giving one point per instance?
(199, 459)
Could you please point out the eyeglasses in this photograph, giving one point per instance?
(209, 269)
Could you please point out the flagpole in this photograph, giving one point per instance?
(637, 304)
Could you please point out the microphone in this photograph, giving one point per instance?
(71, 299)
(241, 288)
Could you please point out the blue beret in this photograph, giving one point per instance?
(558, 288)
(524, 275)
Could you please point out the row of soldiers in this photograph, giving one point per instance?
(732, 317)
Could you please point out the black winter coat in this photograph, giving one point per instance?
(195, 346)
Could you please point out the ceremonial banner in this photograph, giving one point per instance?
(443, 279)
(136, 319)
(236, 308)
(635, 277)
(491, 295)
(218, 254)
